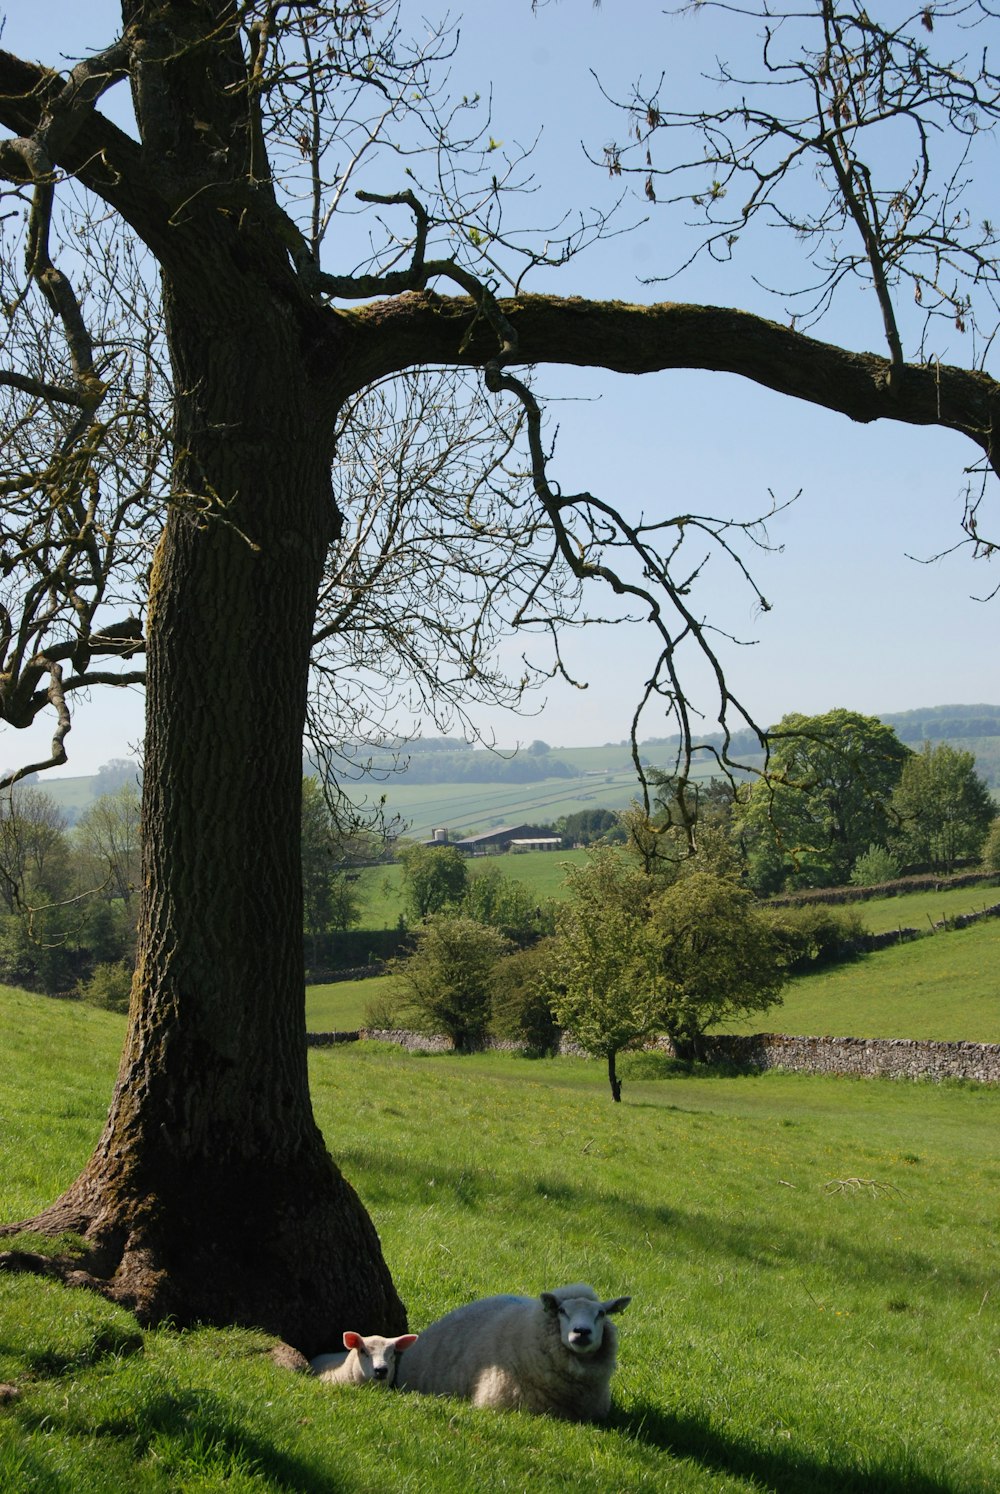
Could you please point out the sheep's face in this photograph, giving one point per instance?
(377, 1355)
(582, 1319)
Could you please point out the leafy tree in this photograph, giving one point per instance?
(522, 997)
(39, 934)
(815, 934)
(434, 878)
(874, 866)
(943, 807)
(493, 898)
(685, 827)
(824, 800)
(604, 978)
(35, 855)
(585, 826)
(446, 985)
(329, 900)
(718, 956)
(189, 340)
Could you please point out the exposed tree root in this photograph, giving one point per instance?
(252, 1257)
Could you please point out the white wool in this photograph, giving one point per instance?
(553, 1354)
(363, 1361)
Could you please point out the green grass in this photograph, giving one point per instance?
(785, 1334)
(340, 1006)
(942, 987)
(920, 910)
(469, 808)
(542, 872)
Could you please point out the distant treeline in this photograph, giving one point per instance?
(945, 721)
(484, 767)
(932, 723)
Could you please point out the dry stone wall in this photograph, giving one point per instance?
(868, 1058)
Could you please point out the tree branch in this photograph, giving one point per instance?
(420, 329)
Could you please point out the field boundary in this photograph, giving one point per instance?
(868, 1058)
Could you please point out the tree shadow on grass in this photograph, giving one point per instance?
(389, 1177)
(780, 1470)
(195, 1435)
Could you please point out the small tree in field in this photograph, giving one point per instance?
(434, 878)
(522, 998)
(718, 957)
(944, 808)
(446, 985)
(504, 903)
(874, 866)
(824, 801)
(604, 973)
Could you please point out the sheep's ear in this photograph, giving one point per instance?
(617, 1304)
(550, 1302)
(404, 1341)
(353, 1341)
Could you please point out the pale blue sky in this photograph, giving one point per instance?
(854, 622)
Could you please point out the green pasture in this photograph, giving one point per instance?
(814, 1265)
(921, 910)
(944, 987)
(608, 781)
(469, 808)
(340, 1006)
(542, 872)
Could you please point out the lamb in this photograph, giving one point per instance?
(364, 1361)
(552, 1354)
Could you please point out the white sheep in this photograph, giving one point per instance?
(364, 1361)
(553, 1354)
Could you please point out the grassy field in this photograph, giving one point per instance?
(542, 872)
(791, 1329)
(944, 987)
(921, 910)
(937, 987)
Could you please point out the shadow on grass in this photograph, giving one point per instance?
(193, 1435)
(780, 1470)
(389, 1177)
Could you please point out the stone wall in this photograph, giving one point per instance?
(870, 1058)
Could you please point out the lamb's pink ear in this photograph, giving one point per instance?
(353, 1341)
(404, 1341)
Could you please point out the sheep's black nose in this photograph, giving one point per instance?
(581, 1335)
(380, 1371)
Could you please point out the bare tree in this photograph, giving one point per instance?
(108, 835)
(210, 1194)
(867, 142)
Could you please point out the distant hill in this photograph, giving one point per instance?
(972, 728)
(945, 723)
(443, 781)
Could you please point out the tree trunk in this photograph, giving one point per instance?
(210, 1195)
(614, 1081)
